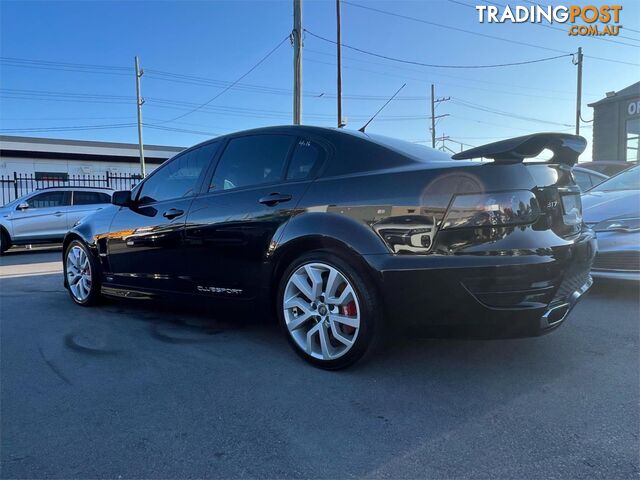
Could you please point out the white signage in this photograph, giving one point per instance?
(634, 108)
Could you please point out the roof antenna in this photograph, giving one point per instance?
(381, 108)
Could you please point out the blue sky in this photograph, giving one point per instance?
(219, 41)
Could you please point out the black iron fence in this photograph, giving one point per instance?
(16, 185)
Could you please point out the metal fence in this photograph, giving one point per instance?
(16, 185)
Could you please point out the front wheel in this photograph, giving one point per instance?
(328, 310)
(82, 273)
(4, 241)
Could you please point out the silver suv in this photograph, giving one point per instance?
(44, 216)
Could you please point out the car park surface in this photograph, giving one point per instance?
(133, 390)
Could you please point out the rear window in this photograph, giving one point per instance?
(416, 151)
(306, 157)
(90, 198)
(356, 152)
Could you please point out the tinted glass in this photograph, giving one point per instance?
(90, 198)
(416, 151)
(306, 156)
(48, 199)
(583, 180)
(627, 180)
(358, 153)
(251, 160)
(179, 177)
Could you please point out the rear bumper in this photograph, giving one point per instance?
(556, 314)
(498, 296)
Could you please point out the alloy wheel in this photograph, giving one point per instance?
(78, 273)
(321, 311)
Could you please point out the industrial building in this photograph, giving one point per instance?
(59, 159)
(616, 126)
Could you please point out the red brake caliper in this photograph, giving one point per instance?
(348, 310)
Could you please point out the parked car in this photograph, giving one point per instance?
(612, 209)
(587, 179)
(340, 232)
(608, 168)
(45, 216)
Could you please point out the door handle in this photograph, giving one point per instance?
(275, 198)
(172, 213)
(58, 214)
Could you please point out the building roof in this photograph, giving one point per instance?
(632, 91)
(82, 150)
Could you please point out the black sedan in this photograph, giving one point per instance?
(343, 232)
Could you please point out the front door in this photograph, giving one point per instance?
(256, 186)
(85, 202)
(44, 219)
(145, 240)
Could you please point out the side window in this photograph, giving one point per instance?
(48, 199)
(251, 160)
(583, 180)
(90, 198)
(306, 156)
(179, 177)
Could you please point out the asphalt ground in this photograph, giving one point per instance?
(139, 390)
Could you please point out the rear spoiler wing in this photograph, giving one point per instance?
(566, 148)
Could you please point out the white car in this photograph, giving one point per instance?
(44, 216)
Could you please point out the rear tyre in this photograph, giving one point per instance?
(82, 273)
(329, 310)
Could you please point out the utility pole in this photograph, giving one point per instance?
(339, 63)
(297, 61)
(139, 102)
(579, 90)
(434, 117)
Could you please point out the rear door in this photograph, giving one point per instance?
(84, 202)
(44, 219)
(145, 240)
(256, 186)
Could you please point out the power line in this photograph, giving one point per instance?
(450, 27)
(551, 27)
(471, 32)
(68, 128)
(62, 66)
(560, 29)
(45, 93)
(411, 62)
(484, 108)
(256, 65)
(181, 130)
(422, 80)
(65, 64)
(440, 74)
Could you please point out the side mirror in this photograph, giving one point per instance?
(122, 198)
(22, 206)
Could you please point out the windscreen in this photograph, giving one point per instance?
(627, 180)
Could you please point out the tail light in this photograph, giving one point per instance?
(518, 207)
